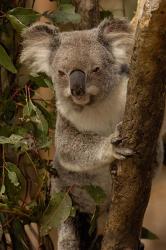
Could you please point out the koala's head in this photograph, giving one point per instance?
(84, 65)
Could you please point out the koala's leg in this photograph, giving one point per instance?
(74, 234)
(68, 238)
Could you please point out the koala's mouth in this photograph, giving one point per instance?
(81, 100)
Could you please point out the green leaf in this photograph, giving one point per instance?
(25, 16)
(13, 139)
(6, 61)
(96, 193)
(3, 206)
(5, 130)
(14, 182)
(105, 13)
(56, 213)
(8, 111)
(39, 119)
(16, 24)
(27, 110)
(66, 14)
(2, 190)
(13, 178)
(49, 116)
(41, 80)
(65, 1)
(73, 212)
(19, 236)
(147, 234)
(68, 8)
(93, 222)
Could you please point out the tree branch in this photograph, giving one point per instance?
(89, 11)
(140, 130)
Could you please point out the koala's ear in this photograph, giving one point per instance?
(117, 36)
(39, 42)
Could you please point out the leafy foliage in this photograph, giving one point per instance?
(6, 61)
(66, 14)
(96, 193)
(58, 211)
(25, 124)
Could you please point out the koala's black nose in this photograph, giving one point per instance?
(77, 83)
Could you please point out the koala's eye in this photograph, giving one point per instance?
(61, 73)
(96, 69)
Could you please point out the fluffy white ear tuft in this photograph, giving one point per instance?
(39, 42)
(117, 35)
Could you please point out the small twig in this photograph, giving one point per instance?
(33, 3)
(33, 164)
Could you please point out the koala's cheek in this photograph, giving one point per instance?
(93, 90)
(66, 92)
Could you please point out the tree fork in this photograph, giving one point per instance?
(140, 130)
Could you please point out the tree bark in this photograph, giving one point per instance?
(89, 11)
(140, 130)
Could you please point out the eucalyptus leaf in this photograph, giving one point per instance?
(66, 14)
(19, 236)
(39, 119)
(96, 193)
(49, 116)
(41, 80)
(13, 139)
(3, 206)
(61, 17)
(6, 61)
(105, 13)
(13, 178)
(57, 212)
(73, 212)
(93, 222)
(65, 1)
(2, 190)
(8, 110)
(68, 8)
(16, 23)
(24, 15)
(27, 110)
(147, 234)
(14, 182)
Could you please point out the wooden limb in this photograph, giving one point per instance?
(140, 130)
(89, 11)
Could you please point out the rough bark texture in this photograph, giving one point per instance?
(89, 11)
(140, 130)
(139, 12)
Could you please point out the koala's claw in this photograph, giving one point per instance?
(119, 153)
(116, 140)
(122, 153)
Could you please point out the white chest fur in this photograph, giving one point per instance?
(101, 118)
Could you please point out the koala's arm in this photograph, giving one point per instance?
(78, 151)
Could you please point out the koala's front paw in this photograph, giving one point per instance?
(112, 149)
(119, 153)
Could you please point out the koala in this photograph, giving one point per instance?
(89, 70)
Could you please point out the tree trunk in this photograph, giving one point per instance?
(89, 11)
(140, 130)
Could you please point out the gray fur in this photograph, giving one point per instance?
(68, 239)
